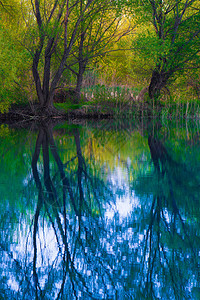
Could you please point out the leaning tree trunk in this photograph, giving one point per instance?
(158, 82)
(159, 78)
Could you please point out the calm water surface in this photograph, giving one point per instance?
(100, 212)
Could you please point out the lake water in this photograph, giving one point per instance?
(100, 211)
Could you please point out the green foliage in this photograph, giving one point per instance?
(176, 27)
(8, 66)
(14, 59)
(149, 45)
(153, 42)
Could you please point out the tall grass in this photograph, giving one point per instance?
(122, 101)
(181, 107)
(115, 99)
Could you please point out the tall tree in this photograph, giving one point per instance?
(53, 26)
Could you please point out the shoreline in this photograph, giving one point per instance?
(26, 114)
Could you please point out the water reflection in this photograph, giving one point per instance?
(74, 212)
(93, 222)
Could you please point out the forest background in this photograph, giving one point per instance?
(105, 51)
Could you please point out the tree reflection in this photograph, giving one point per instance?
(170, 254)
(77, 244)
(77, 233)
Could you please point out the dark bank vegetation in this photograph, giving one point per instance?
(99, 58)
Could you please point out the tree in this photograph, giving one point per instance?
(60, 30)
(100, 29)
(53, 25)
(172, 40)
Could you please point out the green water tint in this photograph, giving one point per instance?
(100, 212)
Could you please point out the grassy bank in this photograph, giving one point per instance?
(101, 101)
(122, 101)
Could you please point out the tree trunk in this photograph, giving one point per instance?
(158, 82)
(36, 76)
(46, 80)
(45, 95)
(48, 106)
(79, 83)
